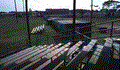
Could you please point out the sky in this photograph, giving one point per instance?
(41, 5)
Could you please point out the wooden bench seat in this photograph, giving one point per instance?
(40, 57)
(54, 56)
(45, 52)
(34, 54)
(102, 57)
(54, 62)
(90, 45)
(6, 59)
(116, 50)
(74, 63)
(12, 63)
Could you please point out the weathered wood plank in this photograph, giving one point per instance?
(16, 55)
(56, 57)
(89, 46)
(36, 59)
(7, 63)
(74, 47)
(47, 51)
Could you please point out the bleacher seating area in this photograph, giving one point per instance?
(66, 56)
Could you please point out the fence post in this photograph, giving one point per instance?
(73, 32)
(91, 16)
(27, 19)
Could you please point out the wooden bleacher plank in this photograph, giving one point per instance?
(25, 61)
(53, 53)
(50, 46)
(107, 47)
(80, 56)
(116, 50)
(34, 65)
(108, 44)
(12, 64)
(116, 56)
(47, 51)
(56, 57)
(116, 46)
(96, 54)
(6, 59)
(92, 42)
(108, 40)
(41, 47)
(67, 45)
(7, 63)
(73, 52)
(94, 59)
(116, 40)
(54, 62)
(36, 59)
(70, 52)
(29, 56)
(103, 60)
(74, 47)
(89, 46)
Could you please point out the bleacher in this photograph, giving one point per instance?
(64, 56)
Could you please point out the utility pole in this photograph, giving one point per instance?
(23, 5)
(16, 10)
(74, 7)
(27, 18)
(91, 13)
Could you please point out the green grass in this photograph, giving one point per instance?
(12, 32)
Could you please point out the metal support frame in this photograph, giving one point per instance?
(74, 7)
(27, 18)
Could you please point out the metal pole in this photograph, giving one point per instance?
(23, 5)
(27, 18)
(74, 7)
(16, 10)
(91, 13)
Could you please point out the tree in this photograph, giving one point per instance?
(111, 4)
(30, 9)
